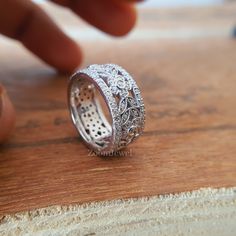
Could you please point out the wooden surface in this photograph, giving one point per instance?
(189, 89)
(201, 212)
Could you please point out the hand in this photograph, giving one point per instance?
(25, 21)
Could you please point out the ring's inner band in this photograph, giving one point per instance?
(87, 113)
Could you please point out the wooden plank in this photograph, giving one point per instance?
(202, 212)
(189, 140)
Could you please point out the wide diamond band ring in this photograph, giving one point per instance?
(106, 107)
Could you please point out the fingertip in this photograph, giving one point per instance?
(7, 115)
(68, 58)
(39, 33)
(130, 18)
(111, 16)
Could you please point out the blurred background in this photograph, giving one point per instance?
(163, 19)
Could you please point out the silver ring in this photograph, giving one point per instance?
(106, 132)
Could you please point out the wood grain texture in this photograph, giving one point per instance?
(189, 89)
(203, 212)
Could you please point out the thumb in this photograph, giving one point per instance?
(7, 115)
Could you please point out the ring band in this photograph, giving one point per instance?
(122, 99)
